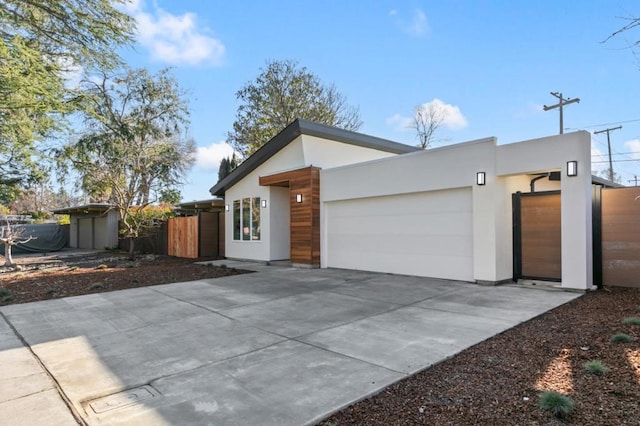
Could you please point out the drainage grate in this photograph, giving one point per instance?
(122, 399)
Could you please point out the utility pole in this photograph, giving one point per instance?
(635, 180)
(560, 104)
(609, 147)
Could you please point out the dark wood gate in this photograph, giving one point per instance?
(616, 236)
(537, 236)
(196, 236)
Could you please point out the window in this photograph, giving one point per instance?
(246, 223)
(255, 219)
(236, 220)
(246, 219)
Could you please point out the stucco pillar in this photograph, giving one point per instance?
(577, 249)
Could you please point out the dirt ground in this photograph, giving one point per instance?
(75, 273)
(497, 382)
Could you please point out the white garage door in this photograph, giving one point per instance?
(100, 233)
(85, 233)
(426, 234)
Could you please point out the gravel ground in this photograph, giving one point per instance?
(55, 276)
(498, 381)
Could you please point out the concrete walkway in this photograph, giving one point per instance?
(282, 346)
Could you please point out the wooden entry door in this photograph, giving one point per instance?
(537, 236)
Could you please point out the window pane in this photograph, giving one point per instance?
(246, 218)
(255, 218)
(236, 220)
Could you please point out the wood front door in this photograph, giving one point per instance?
(537, 236)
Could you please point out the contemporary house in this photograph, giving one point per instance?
(474, 211)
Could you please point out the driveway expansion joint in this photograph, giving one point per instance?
(72, 409)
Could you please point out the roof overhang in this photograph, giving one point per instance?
(201, 204)
(596, 180)
(84, 209)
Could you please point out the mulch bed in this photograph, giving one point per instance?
(52, 278)
(498, 381)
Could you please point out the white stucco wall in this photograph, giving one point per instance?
(507, 168)
(288, 158)
(552, 153)
(304, 151)
(323, 153)
(279, 215)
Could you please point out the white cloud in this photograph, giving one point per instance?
(71, 73)
(208, 157)
(417, 25)
(399, 122)
(452, 117)
(174, 39)
(633, 146)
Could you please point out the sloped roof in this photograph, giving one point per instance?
(300, 127)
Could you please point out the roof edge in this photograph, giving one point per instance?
(305, 127)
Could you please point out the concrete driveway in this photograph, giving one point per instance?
(282, 346)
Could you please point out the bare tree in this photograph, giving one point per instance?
(427, 119)
(12, 235)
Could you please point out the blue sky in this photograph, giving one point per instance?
(491, 63)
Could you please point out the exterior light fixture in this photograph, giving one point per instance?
(481, 178)
(226, 207)
(572, 168)
(298, 198)
(263, 203)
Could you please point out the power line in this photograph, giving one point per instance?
(603, 124)
(616, 161)
(616, 153)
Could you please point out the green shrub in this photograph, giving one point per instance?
(621, 338)
(5, 295)
(556, 403)
(631, 320)
(102, 266)
(596, 367)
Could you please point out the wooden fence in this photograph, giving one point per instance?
(196, 236)
(621, 237)
(153, 243)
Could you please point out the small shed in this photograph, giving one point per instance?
(92, 226)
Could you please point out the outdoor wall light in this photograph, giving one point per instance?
(226, 207)
(572, 168)
(481, 178)
(298, 198)
(263, 203)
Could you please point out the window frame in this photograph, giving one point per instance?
(246, 220)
